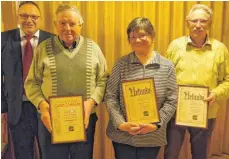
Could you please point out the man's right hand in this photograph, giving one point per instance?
(45, 116)
(131, 128)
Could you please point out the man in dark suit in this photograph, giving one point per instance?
(16, 54)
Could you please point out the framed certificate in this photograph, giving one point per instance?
(140, 101)
(191, 109)
(67, 119)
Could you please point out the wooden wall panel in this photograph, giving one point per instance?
(106, 23)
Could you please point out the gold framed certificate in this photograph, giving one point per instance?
(191, 109)
(140, 101)
(67, 119)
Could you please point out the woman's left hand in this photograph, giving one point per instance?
(146, 128)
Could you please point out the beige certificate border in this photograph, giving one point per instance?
(147, 81)
(76, 139)
(179, 121)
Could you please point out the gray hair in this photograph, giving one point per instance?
(65, 7)
(140, 23)
(202, 7)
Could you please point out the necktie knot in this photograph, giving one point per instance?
(28, 37)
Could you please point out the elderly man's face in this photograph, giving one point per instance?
(67, 26)
(198, 23)
(140, 41)
(28, 18)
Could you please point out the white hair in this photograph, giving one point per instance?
(202, 7)
(65, 7)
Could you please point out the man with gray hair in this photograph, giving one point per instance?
(67, 64)
(208, 66)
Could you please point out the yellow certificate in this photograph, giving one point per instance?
(191, 109)
(67, 118)
(140, 101)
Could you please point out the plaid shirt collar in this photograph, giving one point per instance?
(207, 41)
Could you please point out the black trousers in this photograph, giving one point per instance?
(78, 150)
(123, 151)
(25, 131)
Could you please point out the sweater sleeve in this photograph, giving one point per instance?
(34, 79)
(170, 104)
(101, 76)
(112, 97)
(172, 53)
(222, 90)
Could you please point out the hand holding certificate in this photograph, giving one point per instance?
(140, 101)
(191, 108)
(45, 115)
(67, 117)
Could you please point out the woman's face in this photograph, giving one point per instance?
(140, 41)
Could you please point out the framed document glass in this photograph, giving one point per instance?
(67, 119)
(140, 101)
(191, 109)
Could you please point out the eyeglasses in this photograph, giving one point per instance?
(201, 21)
(141, 37)
(26, 16)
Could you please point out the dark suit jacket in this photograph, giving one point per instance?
(11, 73)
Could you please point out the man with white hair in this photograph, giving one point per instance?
(67, 64)
(203, 61)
